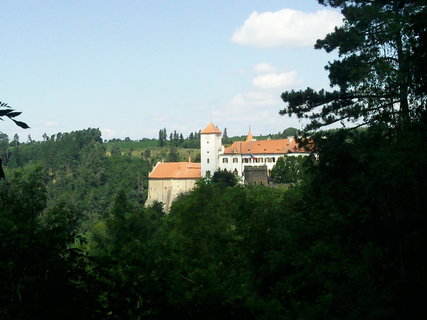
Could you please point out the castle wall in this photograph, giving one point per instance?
(167, 190)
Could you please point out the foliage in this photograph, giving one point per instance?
(288, 169)
(173, 155)
(378, 79)
(215, 250)
(289, 132)
(78, 171)
(224, 177)
(4, 145)
(43, 274)
(7, 111)
(125, 257)
(162, 137)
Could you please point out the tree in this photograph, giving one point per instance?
(7, 111)
(288, 132)
(224, 177)
(173, 155)
(39, 256)
(288, 170)
(162, 137)
(115, 150)
(224, 134)
(4, 145)
(15, 141)
(378, 77)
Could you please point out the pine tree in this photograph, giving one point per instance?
(378, 76)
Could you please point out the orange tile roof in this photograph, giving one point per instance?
(211, 128)
(280, 146)
(176, 170)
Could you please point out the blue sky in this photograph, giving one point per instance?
(131, 67)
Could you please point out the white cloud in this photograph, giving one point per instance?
(107, 133)
(253, 99)
(51, 124)
(285, 80)
(263, 67)
(286, 27)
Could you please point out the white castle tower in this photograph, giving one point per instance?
(210, 147)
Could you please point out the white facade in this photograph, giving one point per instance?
(210, 148)
(236, 163)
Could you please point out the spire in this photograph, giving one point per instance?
(250, 137)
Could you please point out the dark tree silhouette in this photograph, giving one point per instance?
(1, 169)
(7, 111)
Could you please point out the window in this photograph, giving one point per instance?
(224, 160)
(208, 173)
(235, 172)
(207, 160)
(235, 160)
(246, 160)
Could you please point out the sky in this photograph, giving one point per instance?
(132, 67)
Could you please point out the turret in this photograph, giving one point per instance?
(210, 147)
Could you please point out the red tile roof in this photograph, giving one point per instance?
(176, 170)
(211, 128)
(280, 146)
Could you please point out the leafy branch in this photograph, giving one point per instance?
(7, 111)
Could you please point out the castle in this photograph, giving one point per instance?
(168, 179)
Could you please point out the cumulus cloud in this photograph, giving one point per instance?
(51, 124)
(286, 27)
(263, 67)
(285, 80)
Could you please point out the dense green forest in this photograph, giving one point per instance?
(345, 240)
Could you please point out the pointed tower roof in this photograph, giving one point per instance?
(250, 137)
(211, 128)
